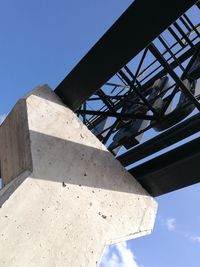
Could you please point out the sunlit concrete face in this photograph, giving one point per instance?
(65, 195)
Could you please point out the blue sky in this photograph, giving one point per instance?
(40, 42)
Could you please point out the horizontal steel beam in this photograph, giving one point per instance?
(166, 139)
(171, 171)
(139, 25)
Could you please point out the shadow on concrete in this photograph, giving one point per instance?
(67, 162)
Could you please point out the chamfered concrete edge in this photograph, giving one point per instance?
(9, 189)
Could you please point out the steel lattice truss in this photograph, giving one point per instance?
(156, 90)
(145, 88)
(152, 102)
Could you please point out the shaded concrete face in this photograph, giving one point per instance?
(70, 196)
(15, 154)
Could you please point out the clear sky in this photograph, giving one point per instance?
(40, 42)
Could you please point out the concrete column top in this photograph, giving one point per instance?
(65, 195)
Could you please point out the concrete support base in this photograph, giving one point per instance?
(65, 195)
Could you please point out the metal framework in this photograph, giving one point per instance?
(138, 26)
(155, 90)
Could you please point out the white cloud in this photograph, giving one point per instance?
(171, 224)
(110, 260)
(119, 256)
(195, 239)
(2, 118)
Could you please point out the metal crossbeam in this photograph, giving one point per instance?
(166, 139)
(103, 60)
(171, 171)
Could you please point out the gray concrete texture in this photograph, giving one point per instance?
(65, 196)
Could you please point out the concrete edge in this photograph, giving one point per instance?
(129, 237)
(30, 92)
(123, 239)
(9, 189)
(23, 139)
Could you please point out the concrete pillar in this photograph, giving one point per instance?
(65, 195)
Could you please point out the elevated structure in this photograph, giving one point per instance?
(140, 24)
(132, 83)
(66, 196)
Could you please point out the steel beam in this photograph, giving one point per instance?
(166, 139)
(140, 24)
(171, 171)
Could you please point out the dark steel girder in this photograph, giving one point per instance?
(163, 140)
(139, 25)
(171, 171)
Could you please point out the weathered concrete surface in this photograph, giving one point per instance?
(15, 154)
(71, 197)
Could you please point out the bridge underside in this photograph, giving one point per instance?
(138, 91)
